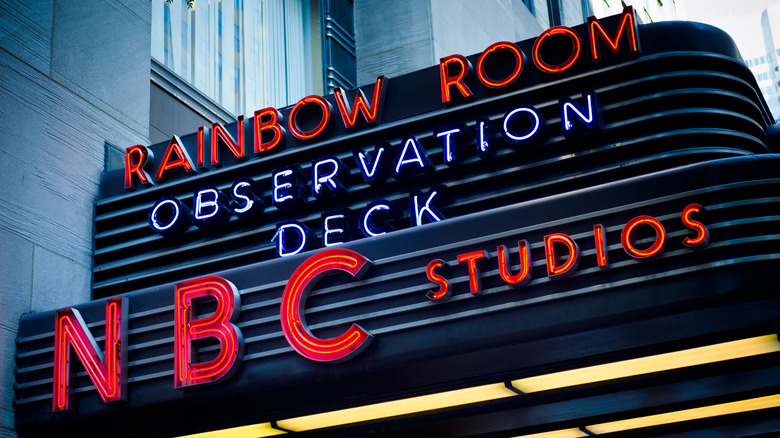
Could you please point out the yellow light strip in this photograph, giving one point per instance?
(651, 364)
(398, 407)
(754, 404)
(615, 370)
(252, 431)
(563, 433)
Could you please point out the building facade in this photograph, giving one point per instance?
(565, 150)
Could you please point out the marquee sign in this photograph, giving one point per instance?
(275, 266)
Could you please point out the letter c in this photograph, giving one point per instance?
(340, 348)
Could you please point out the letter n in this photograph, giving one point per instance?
(108, 372)
(218, 325)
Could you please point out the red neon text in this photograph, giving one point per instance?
(519, 64)
(370, 112)
(136, 158)
(628, 24)
(219, 326)
(472, 259)
(273, 124)
(445, 289)
(504, 265)
(183, 159)
(463, 67)
(219, 134)
(324, 122)
(600, 238)
(565, 65)
(702, 233)
(656, 249)
(109, 372)
(303, 280)
(571, 260)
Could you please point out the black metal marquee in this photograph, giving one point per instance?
(684, 123)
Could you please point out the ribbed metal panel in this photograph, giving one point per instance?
(660, 111)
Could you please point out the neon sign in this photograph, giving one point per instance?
(108, 371)
(220, 326)
(293, 319)
(328, 177)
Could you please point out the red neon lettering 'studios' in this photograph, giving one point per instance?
(571, 261)
(463, 67)
(519, 64)
(445, 288)
(525, 273)
(627, 238)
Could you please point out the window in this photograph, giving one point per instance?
(530, 5)
(242, 54)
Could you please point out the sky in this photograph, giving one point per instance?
(739, 18)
